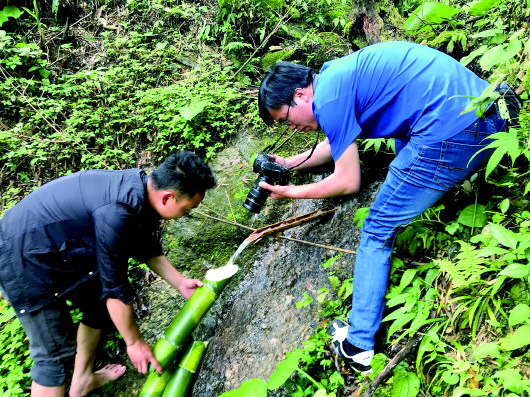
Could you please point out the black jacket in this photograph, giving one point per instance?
(79, 226)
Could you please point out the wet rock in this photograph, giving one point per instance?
(262, 323)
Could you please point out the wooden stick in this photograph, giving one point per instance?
(330, 247)
(387, 371)
(279, 236)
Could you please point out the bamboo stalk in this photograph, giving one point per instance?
(155, 384)
(181, 380)
(167, 347)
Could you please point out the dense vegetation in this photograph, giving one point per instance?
(115, 84)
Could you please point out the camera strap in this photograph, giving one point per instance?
(310, 153)
(272, 148)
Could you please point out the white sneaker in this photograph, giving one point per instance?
(360, 359)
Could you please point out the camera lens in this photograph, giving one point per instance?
(256, 197)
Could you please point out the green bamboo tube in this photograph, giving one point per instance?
(181, 379)
(167, 347)
(155, 384)
(165, 351)
(184, 323)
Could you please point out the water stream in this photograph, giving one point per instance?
(236, 254)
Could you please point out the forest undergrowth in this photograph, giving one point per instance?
(117, 84)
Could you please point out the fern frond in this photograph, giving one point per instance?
(467, 269)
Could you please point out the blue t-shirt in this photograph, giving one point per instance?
(394, 90)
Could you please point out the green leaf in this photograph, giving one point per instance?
(305, 302)
(55, 7)
(406, 384)
(473, 216)
(481, 102)
(323, 292)
(284, 370)
(504, 236)
(452, 228)
(512, 380)
(9, 11)
(500, 54)
(489, 349)
(450, 378)
(481, 7)
(504, 205)
(7, 314)
(334, 281)
(407, 277)
(360, 215)
(520, 338)
(378, 363)
(275, 3)
(400, 322)
(189, 112)
(487, 33)
(323, 393)
(398, 313)
(396, 298)
(461, 391)
(473, 54)
(516, 270)
(429, 13)
(506, 143)
(329, 262)
(519, 314)
(44, 73)
(249, 388)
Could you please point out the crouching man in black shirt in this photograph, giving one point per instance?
(71, 239)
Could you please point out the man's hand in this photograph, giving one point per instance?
(278, 159)
(138, 350)
(187, 286)
(141, 355)
(278, 192)
(346, 178)
(161, 266)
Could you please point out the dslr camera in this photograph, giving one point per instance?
(269, 172)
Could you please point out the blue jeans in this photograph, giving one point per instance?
(417, 178)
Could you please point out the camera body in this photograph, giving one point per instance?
(269, 172)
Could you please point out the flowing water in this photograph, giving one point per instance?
(236, 254)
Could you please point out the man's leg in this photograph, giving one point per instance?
(44, 391)
(417, 178)
(96, 320)
(52, 347)
(84, 380)
(397, 203)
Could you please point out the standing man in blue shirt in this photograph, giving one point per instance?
(71, 239)
(399, 90)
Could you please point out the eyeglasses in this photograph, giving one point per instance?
(286, 121)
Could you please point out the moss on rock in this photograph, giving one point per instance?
(271, 58)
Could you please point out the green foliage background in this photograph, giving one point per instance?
(122, 83)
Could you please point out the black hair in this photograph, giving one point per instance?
(278, 86)
(185, 173)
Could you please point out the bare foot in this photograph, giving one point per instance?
(109, 373)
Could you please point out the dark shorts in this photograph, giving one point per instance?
(52, 333)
